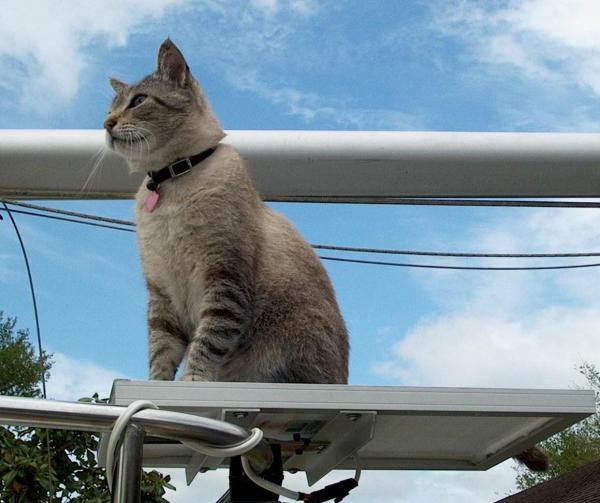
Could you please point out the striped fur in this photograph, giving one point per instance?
(232, 285)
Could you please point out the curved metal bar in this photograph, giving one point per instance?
(100, 418)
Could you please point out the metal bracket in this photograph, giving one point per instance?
(240, 417)
(345, 435)
(200, 463)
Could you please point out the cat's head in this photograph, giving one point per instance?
(163, 117)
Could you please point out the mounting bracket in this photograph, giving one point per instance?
(341, 438)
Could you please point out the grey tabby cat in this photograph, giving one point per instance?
(232, 284)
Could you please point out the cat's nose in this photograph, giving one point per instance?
(109, 124)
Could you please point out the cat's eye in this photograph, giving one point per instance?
(137, 100)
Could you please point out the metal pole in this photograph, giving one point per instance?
(87, 417)
(127, 487)
(329, 165)
(35, 412)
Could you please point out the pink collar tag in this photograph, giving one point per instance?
(151, 201)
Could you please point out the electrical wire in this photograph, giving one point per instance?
(280, 490)
(256, 436)
(452, 254)
(316, 246)
(117, 432)
(33, 300)
(128, 223)
(463, 268)
(73, 220)
(37, 326)
(340, 248)
(120, 425)
(267, 484)
(69, 213)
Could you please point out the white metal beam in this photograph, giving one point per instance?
(329, 165)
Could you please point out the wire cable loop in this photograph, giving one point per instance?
(288, 493)
(256, 436)
(117, 432)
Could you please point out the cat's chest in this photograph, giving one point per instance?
(171, 239)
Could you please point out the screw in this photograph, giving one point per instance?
(352, 417)
(240, 415)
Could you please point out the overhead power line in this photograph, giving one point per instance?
(73, 220)
(128, 226)
(70, 213)
(129, 223)
(456, 267)
(453, 254)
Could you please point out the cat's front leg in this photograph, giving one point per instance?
(224, 321)
(168, 342)
(218, 336)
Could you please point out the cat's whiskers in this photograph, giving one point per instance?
(97, 159)
(143, 132)
(134, 134)
(143, 142)
(138, 139)
(132, 139)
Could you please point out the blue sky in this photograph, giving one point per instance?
(532, 65)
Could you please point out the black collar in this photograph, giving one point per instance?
(175, 169)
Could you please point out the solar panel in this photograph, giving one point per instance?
(326, 427)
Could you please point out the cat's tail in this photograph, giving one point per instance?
(534, 458)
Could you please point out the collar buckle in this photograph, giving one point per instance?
(180, 167)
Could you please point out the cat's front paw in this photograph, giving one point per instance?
(194, 377)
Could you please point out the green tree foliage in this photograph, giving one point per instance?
(572, 448)
(42, 466)
(20, 369)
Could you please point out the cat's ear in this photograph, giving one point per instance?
(171, 64)
(117, 85)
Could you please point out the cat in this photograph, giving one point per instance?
(232, 285)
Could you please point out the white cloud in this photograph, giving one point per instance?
(310, 106)
(43, 61)
(271, 7)
(543, 39)
(72, 379)
(43, 44)
(510, 329)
